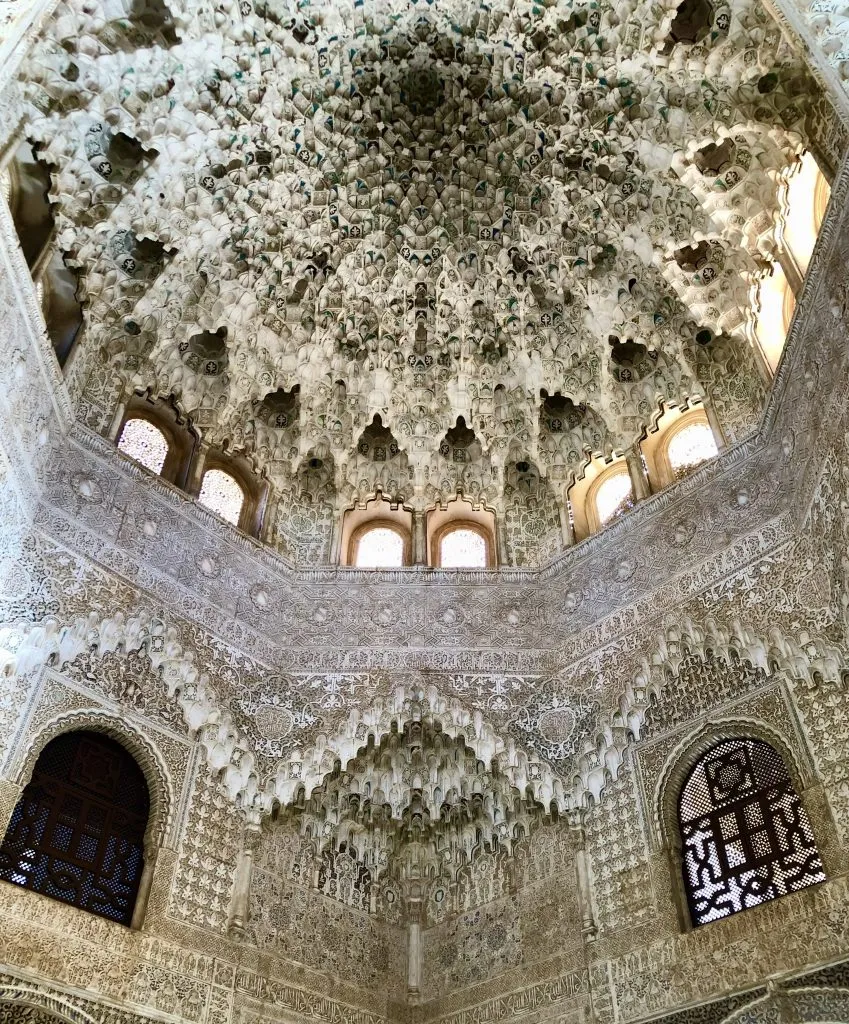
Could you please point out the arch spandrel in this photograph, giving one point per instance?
(30, 1005)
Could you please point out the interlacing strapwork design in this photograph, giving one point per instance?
(145, 443)
(77, 833)
(745, 833)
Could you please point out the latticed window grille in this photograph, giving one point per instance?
(222, 494)
(145, 443)
(77, 832)
(745, 834)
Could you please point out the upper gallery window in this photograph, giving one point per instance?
(221, 493)
(379, 547)
(690, 446)
(77, 832)
(463, 548)
(776, 303)
(806, 199)
(745, 834)
(145, 443)
(613, 496)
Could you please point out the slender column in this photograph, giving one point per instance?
(637, 471)
(239, 904)
(195, 474)
(419, 551)
(582, 874)
(414, 950)
(500, 543)
(795, 278)
(336, 539)
(115, 426)
(269, 518)
(566, 524)
(145, 885)
(674, 860)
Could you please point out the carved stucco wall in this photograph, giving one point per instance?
(236, 680)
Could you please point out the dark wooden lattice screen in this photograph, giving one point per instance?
(746, 837)
(77, 833)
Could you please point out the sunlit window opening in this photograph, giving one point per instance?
(691, 446)
(806, 199)
(462, 549)
(613, 496)
(776, 304)
(145, 443)
(221, 494)
(380, 548)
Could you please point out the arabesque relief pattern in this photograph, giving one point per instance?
(416, 795)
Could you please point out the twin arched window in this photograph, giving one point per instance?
(221, 492)
(77, 832)
(462, 547)
(385, 546)
(746, 838)
(613, 496)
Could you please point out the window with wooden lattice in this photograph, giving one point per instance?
(77, 832)
(745, 835)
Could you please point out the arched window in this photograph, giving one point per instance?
(776, 303)
(613, 495)
(77, 833)
(463, 547)
(805, 202)
(745, 835)
(690, 446)
(145, 443)
(379, 547)
(221, 493)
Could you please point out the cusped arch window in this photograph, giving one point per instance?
(221, 493)
(613, 495)
(77, 832)
(463, 546)
(379, 546)
(745, 835)
(690, 446)
(144, 442)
